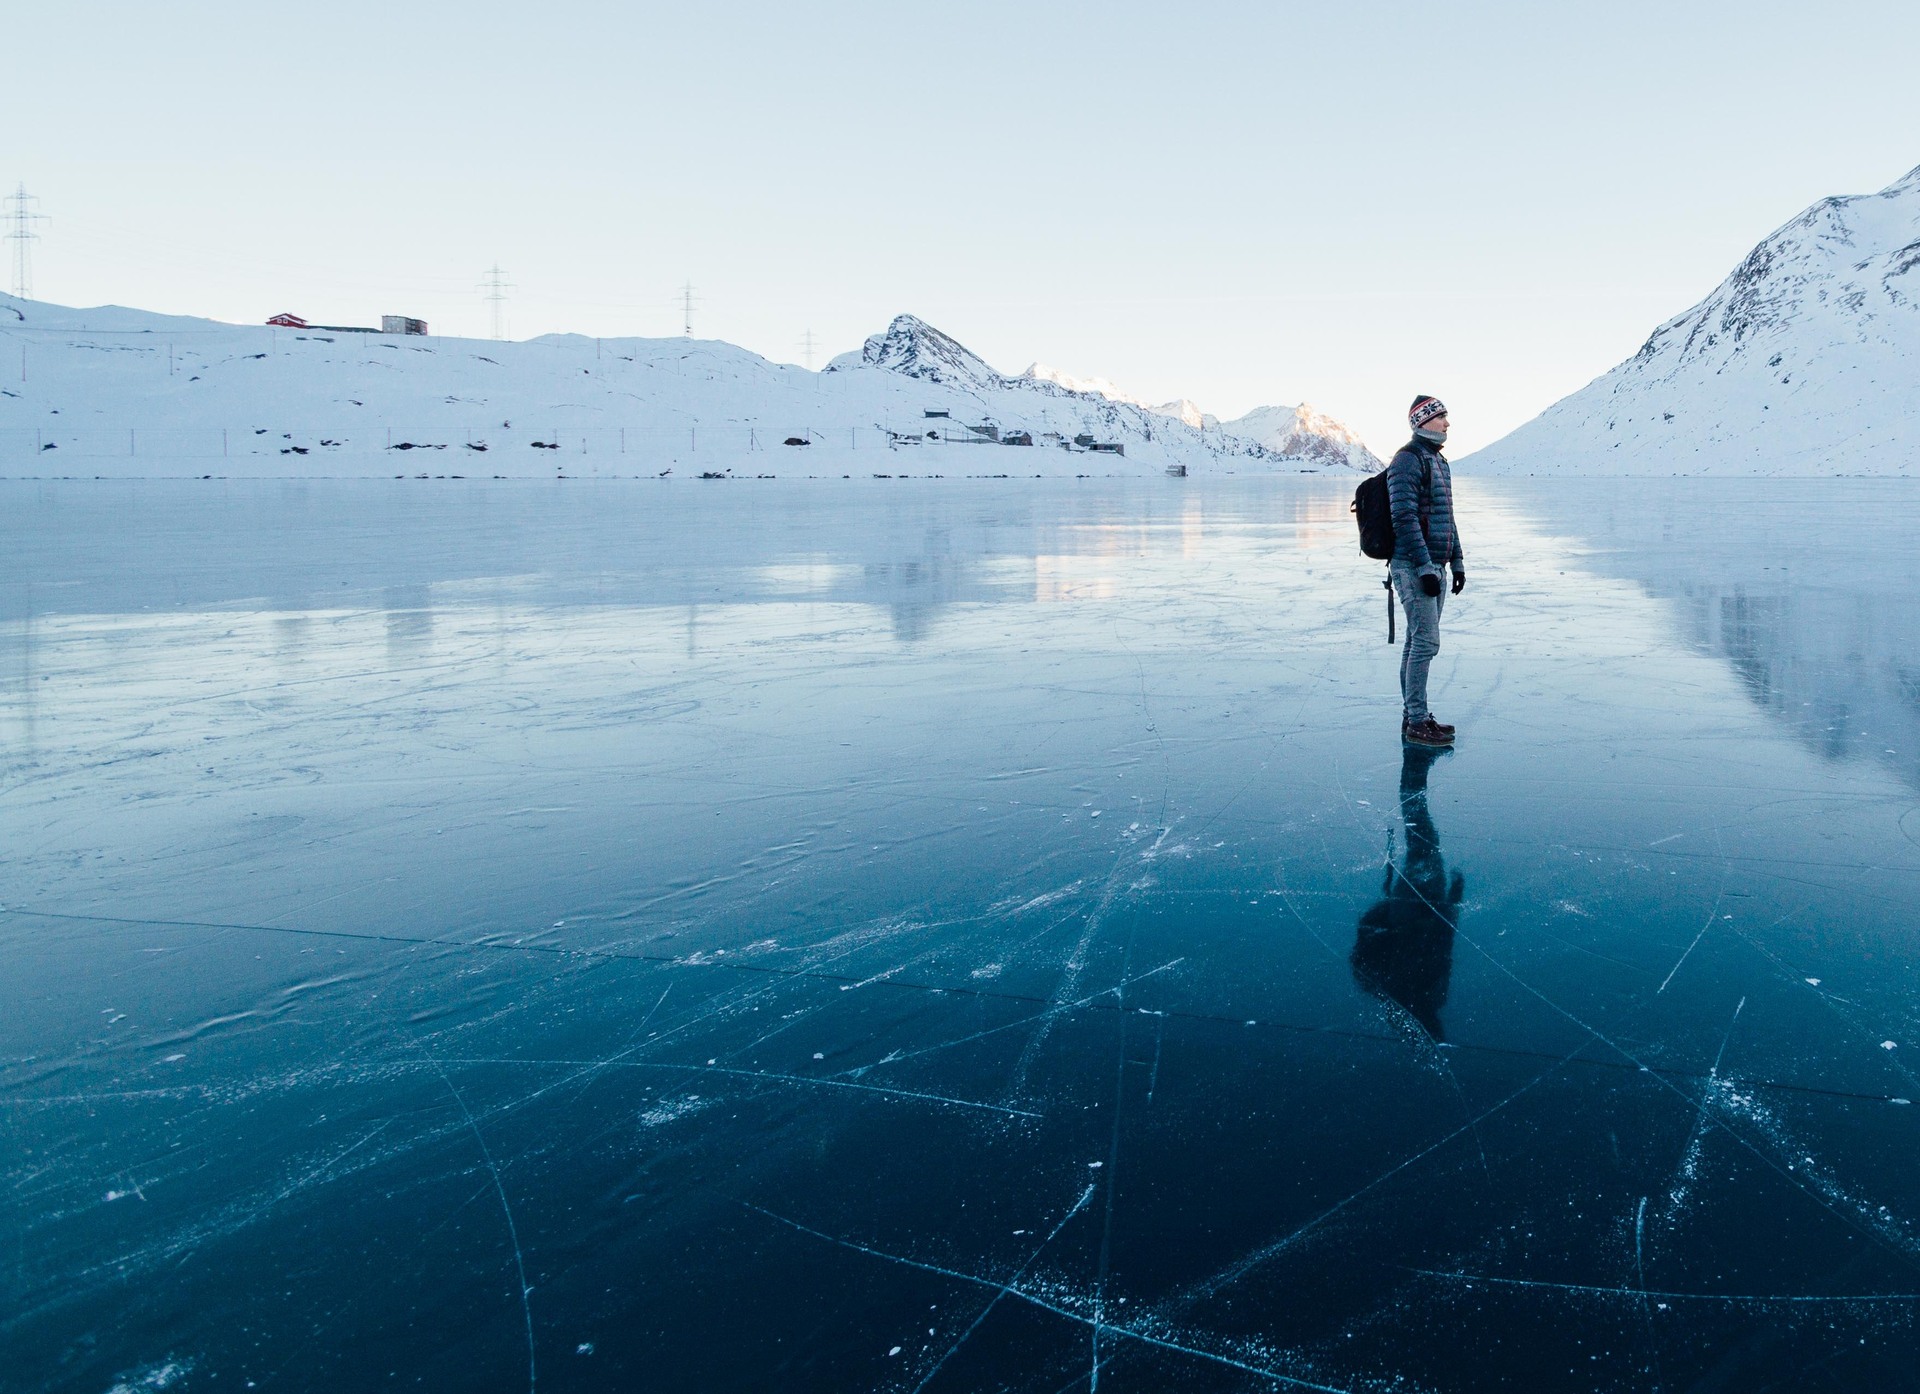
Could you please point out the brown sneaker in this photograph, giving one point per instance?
(1441, 726)
(1424, 732)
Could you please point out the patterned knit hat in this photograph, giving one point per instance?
(1424, 409)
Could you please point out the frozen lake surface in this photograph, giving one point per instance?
(953, 935)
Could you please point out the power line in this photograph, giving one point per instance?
(686, 307)
(496, 289)
(22, 235)
(806, 345)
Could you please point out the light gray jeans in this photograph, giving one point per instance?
(1422, 639)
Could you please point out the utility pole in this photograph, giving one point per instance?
(496, 289)
(686, 307)
(21, 219)
(806, 345)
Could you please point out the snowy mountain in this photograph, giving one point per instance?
(1183, 410)
(1298, 433)
(1041, 372)
(1065, 405)
(1189, 412)
(917, 350)
(1303, 433)
(118, 392)
(1803, 361)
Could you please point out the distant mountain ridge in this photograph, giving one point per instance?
(1296, 432)
(1303, 433)
(113, 391)
(914, 348)
(1805, 360)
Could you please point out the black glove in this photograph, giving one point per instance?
(1459, 581)
(1430, 584)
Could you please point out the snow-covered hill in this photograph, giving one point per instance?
(118, 392)
(1805, 361)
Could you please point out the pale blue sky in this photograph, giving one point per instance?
(1238, 203)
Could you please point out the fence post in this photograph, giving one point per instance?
(693, 437)
(223, 442)
(130, 450)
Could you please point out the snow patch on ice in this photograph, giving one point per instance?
(672, 1110)
(164, 1375)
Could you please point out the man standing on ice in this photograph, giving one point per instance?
(1420, 496)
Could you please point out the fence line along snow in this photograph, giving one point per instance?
(230, 442)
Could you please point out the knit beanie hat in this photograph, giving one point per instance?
(1424, 409)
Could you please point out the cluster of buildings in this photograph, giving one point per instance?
(389, 324)
(988, 431)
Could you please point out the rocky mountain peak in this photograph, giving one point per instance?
(913, 347)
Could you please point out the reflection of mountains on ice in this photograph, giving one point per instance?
(900, 546)
(1783, 585)
(915, 589)
(1838, 666)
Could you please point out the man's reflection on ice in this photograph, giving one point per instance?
(1403, 948)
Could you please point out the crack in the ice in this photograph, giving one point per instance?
(1056, 1009)
(1664, 1295)
(1688, 1168)
(994, 1301)
(817, 1081)
(513, 1230)
(1903, 1248)
(1035, 1299)
(1711, 916)
(1111, 1182)
(1239, 1269)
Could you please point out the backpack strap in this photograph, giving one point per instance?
(1388, 583)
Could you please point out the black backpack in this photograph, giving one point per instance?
(1374, 513)
(1375, 517)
